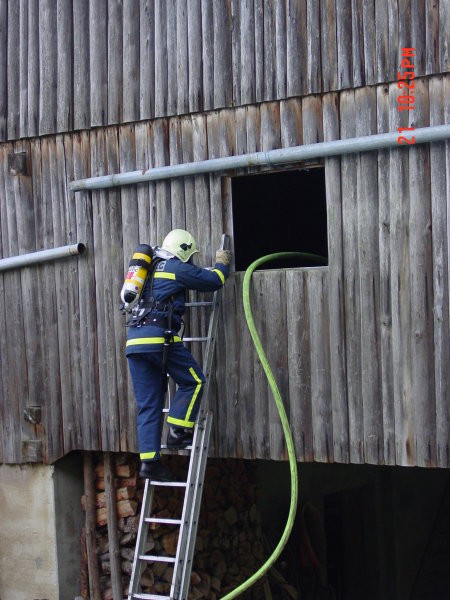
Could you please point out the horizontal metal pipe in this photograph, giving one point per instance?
(24, 260)
(271, 157)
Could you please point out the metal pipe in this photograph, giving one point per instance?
(271, 157)
(24, 260)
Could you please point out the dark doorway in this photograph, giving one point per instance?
(279, 212)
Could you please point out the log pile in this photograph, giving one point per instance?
(229, 545)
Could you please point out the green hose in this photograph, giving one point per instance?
(284, 420)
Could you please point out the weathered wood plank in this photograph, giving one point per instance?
(130, 233)
(440, 224)
(227, 352)
(276, 349)
(25, 348)
(369, 33)
(146, 61)
(89, 400)
(195, 52)
(291, 123)
(116, 60)
(23, 68)
(69, 348)
(204, 226)
(172, 48)
(312, 120)
(215, 184)
(328, 44)
(259, 50)
(352, 305)
(400, 295)
(14, 383)
(223, 74)
(247, 83)
(13, 65)
(444, 28)
(381, 39)
(48, 311)
(208, 54)
(246, 403)
(131, 59)
(3, 68)
(161, 70)
(182, 54)
(418, 34)
(161, 150)
(296, 49)
(116, 331)
(33, 68)
(344, 43)
(98, 61)
(443, 438)
(299, 365)
(322, 422)
(369, 279)
(432, 37)
(47, 67)
(421, 284)
(64, 90)
(281, 49)
(336, 285)
(105, 300)
(144, 158)
(81, 51)
(384, 244)
(394, 49)
(269, 51)
(178, 208)
(236, 56)
(270, 126)
(404, 29)
(357, 44)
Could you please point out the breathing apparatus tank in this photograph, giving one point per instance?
(138, 269)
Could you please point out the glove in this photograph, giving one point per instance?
(223, 257)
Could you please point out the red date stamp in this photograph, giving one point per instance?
(405, 83)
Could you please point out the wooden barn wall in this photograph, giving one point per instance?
(360, 348)
(75, 64)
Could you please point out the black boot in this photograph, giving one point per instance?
(156, 471)
(179, 438)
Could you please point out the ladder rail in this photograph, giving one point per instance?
(191, 514)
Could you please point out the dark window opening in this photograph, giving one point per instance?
(279, 212)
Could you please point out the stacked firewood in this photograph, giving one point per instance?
(229, 545)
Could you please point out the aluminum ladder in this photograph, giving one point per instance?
(188, 523)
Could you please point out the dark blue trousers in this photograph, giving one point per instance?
(148, 384)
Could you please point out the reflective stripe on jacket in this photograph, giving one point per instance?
(171, 280)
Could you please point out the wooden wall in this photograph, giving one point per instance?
(75, 64)
(364, 372)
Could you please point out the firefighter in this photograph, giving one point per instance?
(152, 333)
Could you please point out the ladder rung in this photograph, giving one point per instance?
(204, 303)
(141, 596)
(164, 521)
(196, 339)
(169, 483)
(165, 447)
(151, 558)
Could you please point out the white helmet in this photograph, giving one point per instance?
(180, 243)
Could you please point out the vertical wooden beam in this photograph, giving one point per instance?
(113, 538)
(89, 492)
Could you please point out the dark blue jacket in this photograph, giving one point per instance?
(171, 280)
